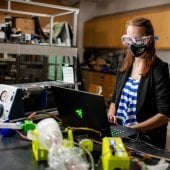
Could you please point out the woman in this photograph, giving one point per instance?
(142, 95)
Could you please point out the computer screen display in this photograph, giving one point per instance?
(81, 109)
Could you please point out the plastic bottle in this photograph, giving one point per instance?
(49, 133)
(64, 158)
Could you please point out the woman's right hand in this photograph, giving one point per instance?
(112, 118)
(111, 114)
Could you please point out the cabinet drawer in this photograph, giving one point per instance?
(98, 78)
(107, 81)
(108, 86)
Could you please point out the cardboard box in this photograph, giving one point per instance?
(27, 25)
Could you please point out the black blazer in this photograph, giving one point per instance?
(153, 93)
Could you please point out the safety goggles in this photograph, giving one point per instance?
(127, 40)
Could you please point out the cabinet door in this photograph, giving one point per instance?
(103, 32)
(101, 38)
(97, 78)
(107, 81)
(161, 24)
(160, 20)
(88, 36)
(91, 77)
(108, 86)
(106, 31)
(87, 78)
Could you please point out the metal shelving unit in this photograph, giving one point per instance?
(11, 48)
(62, 11)
(36, 49)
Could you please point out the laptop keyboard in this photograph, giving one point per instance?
(121, 131)
(116, 132)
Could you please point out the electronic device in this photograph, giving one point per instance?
(114, 154)
(121, 131)
(10, 102)
(19, 100)
(15, 100)
(81, 109)
(84, 109)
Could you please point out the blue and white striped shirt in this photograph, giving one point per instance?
(128, 100)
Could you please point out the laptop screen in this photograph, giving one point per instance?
(81, 109)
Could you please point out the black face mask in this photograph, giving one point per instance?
(137, 50)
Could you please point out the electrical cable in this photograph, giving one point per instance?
(133, 139)
(22, 135)
(146, 155)
(85, 129)
(89, 154)
(34, 116)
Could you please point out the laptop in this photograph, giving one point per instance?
(84, 109)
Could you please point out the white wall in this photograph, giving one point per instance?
(86, 11)
(164, 55)
(113, 6)
(90, 9)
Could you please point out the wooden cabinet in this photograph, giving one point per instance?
(160, 21)
(88, 34)
(108, 85)
(102, 33)
(107, 81)
(87, 78)
(106, 31)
